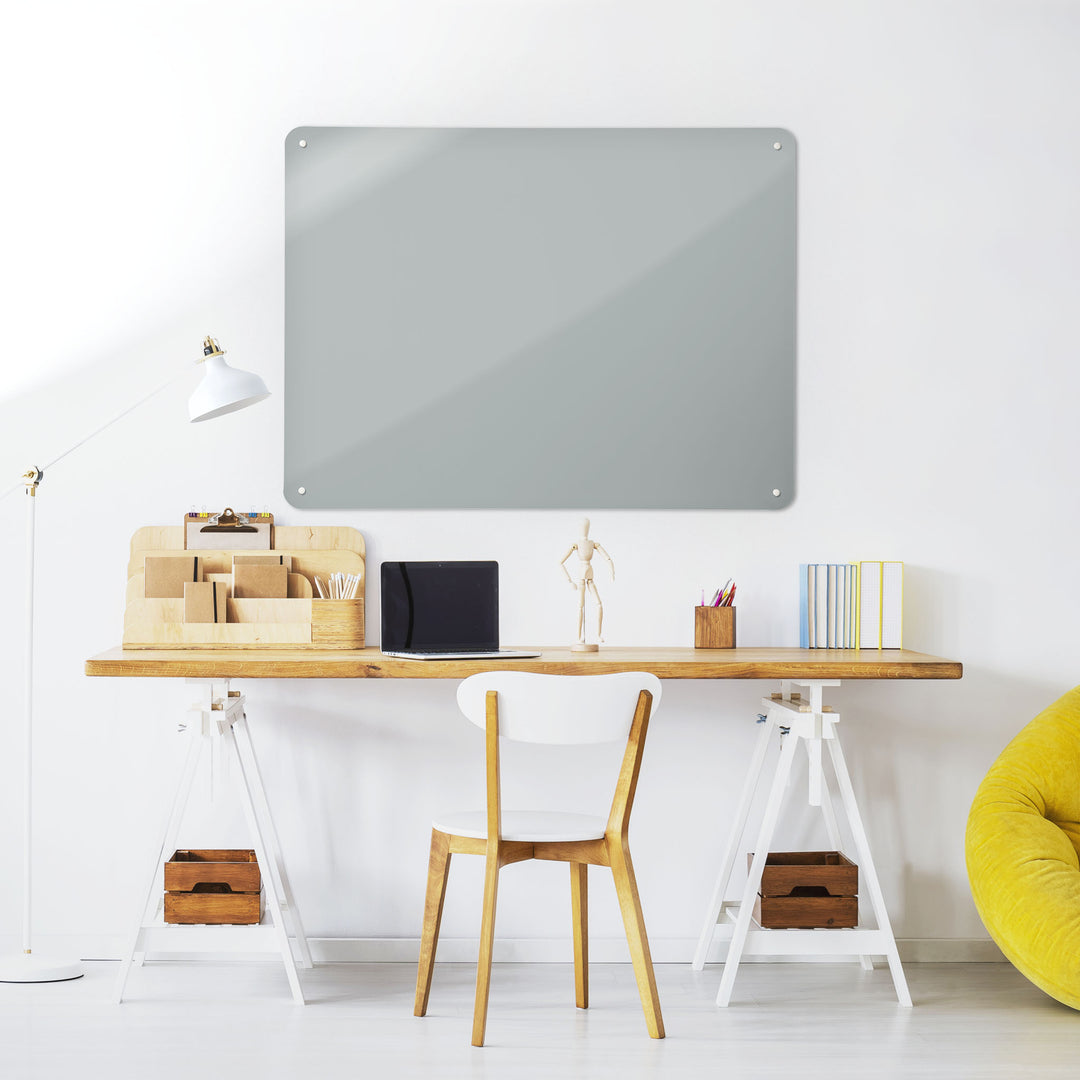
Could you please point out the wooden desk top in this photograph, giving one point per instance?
(666, 663)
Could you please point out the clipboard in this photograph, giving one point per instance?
(229, 531)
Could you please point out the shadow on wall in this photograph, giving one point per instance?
(917, 753)
(930, 616)
(356, 760)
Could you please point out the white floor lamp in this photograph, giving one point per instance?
(223, 390)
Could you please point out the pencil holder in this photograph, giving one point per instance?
(714, 628)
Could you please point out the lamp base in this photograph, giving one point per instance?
(28, 968)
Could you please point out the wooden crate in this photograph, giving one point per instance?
(807, 890)
(214, 886)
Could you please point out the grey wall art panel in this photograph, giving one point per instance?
(540, 318)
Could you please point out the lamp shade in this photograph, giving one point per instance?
(223, 389)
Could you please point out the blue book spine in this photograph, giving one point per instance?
(804, 606)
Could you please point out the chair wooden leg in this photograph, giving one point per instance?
(634, 922)
(487, 943)
(438, 871)
(579, 904)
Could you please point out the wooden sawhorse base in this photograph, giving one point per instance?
(220, 715)
(796, 721)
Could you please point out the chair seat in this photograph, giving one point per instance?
(529, 826)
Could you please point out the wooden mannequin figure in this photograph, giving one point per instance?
(585, 548)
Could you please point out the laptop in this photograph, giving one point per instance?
(442, 611)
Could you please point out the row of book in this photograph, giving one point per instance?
(851, 605)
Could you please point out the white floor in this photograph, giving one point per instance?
(787, 1020)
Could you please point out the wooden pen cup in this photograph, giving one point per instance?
(714, 627)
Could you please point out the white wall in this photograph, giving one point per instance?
(937, 382)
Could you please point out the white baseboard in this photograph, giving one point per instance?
(615, 951)
(526, 950)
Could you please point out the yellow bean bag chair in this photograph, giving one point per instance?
(1023, 839)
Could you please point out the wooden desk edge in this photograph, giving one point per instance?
(665, 663)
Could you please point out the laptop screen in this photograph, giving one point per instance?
(440, 606)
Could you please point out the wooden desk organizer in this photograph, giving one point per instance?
(301, 621)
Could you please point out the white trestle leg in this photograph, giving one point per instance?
(221, 716)
(796, 720)
(245, 750)
(727, 863)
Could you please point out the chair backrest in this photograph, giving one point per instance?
(565, 710)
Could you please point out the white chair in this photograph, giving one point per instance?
(565, 710)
